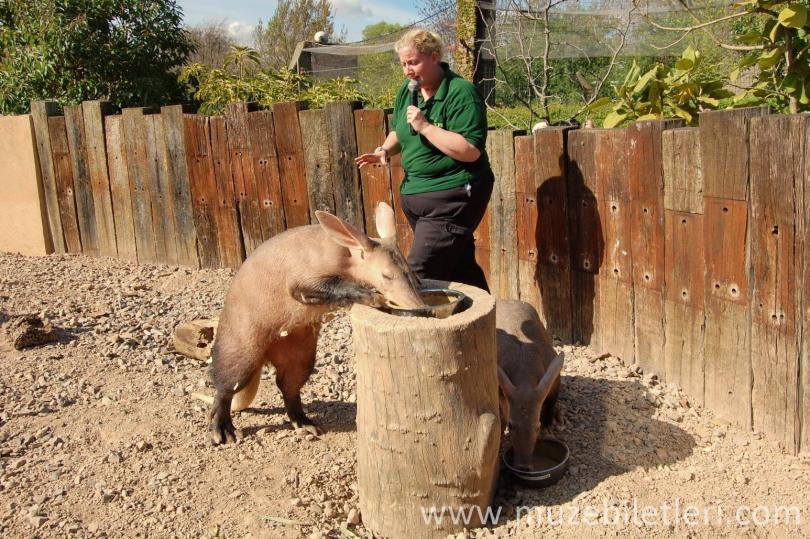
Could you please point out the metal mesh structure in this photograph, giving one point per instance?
(594, 28)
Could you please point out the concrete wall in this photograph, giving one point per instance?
(23, 217)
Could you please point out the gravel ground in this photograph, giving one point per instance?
(100, 435)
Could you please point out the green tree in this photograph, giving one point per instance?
(125, 51)
(381, 29)
(380, 74)
(293, 21)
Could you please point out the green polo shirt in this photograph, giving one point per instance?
(457, 107)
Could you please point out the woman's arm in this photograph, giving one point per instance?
(380, 155)
(448, 142)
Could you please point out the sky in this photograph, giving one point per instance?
(242, 15)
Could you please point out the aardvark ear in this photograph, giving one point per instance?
(342, 232)
(386, 222)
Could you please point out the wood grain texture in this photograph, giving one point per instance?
(551, 248)
(375, 179)
(404, 232)
(135, 143)
(616, 295)
(119, 190)
(503, 277)
(63, 176)
(261, 133)
(778, 234)
(587, 240)
(160, 191)
(646, 179)
(40, 111)
(239, 160)
(224, 206)
(290, 152)
(96, 148)
(804, 411)
(683, 179)
(685, 288)
(724, 151)
(175, 143)
(441, 442)
(204, 195)
(83, 190)
(342, 142)
(317, 161)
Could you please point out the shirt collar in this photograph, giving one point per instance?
(441, 92)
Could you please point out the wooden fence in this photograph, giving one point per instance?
(680, 249)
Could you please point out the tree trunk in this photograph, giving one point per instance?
(427, 417)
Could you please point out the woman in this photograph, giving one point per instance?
(448, 180)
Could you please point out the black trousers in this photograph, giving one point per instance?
(443, 223)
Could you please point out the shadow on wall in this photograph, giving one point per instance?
(570, 251)
(609, 429)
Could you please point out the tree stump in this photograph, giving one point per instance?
(428, 428)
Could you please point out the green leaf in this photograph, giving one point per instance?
(773, 35)
(751, 38)
(598, 104)
(793, 16)
(804, 97)
(613, 119)
(748, 60)
(684, 64)
(682, 114)
(644, 80)
(734, 75)
(709, 100)
(770, 58)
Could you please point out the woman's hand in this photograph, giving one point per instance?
(414, 116)
(378, 156)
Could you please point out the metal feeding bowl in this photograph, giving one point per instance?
(549, 462)
(441, 303)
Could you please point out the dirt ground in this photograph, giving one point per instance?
(100, 435)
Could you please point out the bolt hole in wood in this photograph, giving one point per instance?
(683, 221)
(725, 210)
(586, 264)
(616, 271)
(440, 303)
(775, 230)
(646, 210)
(553, 258)
(646, 276)
(614, 208)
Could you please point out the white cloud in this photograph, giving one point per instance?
(353, 9)
(242, 32)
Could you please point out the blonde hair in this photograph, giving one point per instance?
(422, 40)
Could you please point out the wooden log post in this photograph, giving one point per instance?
(616, 292)
(85, 207)
(404, 232)
(342, 142)
(375, 179)
(427, 416)
(120, 190)
(646, 175)
(40, 110)
(777, 258)
(503, 265)
(684, 261)
(543, 237)
(587, 241)
(63, 178)
(804, 410)
(724, 163)
(290, 151)
(93, 113)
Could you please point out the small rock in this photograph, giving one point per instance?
(37, 520)
(353, 517)
(686, 475)
(212, 532)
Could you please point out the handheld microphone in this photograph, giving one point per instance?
(413, 87)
